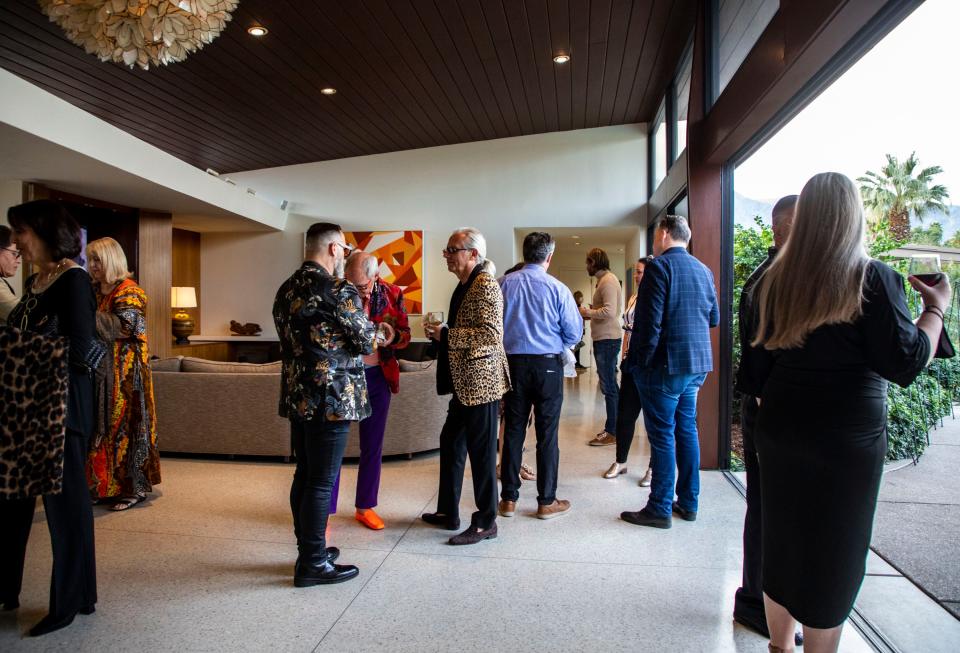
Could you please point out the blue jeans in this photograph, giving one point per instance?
(670, 416)
(607, 355)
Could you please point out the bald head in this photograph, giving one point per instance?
(361, 271)
(782, 218)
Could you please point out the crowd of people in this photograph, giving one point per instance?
(823, 329)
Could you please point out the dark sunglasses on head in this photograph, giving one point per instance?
(16, 253)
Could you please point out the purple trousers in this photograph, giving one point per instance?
(371, 443)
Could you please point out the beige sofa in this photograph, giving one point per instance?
(210, 407)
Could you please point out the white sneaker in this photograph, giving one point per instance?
(647, 477)
(615, 470)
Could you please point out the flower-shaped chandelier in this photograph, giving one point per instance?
(140, 32)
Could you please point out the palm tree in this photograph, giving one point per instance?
(895, 193)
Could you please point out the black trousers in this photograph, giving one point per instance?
(748, 602)
(469, 430)
(628, 410)
(73, 582)
(538, 383)
(318, 445)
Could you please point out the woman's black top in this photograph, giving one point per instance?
(66, 308)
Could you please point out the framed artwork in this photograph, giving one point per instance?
(400, 254)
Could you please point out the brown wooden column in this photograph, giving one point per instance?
(156, 236)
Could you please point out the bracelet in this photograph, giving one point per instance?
(935, 310)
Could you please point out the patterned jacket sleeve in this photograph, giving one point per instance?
(130, 307)
(490, 331)
(358, 330)
(402, 326)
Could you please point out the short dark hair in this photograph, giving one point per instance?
(784, 204)
(319, 234)
(5, 236)
(537, 246)
(646, 260)
(52, 223)
(676, 226)
(513, 269)
(599, 258)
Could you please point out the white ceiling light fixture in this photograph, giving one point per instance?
(328, 91)
(561, 58)
(140, 32)
(257, 30)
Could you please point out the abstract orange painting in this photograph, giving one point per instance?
(400, 254)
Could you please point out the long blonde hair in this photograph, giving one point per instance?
(818, 277)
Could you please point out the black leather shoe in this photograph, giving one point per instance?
(324, 574)
(646, 518)
(443, 521)
(88, 609)
(760, 626)
(49, 624)
(473, 536)
(332, 553)
(685, 515)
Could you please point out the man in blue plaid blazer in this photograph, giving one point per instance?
(668, 359)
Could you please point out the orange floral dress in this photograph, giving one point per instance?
(125, 461)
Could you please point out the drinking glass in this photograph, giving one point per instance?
(434, 317)
(926, 268)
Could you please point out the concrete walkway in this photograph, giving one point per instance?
(916, 531)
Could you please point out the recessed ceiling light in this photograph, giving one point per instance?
(328, 91)
(257, 30)
(561, 58)
(574, 237)
(576, 243)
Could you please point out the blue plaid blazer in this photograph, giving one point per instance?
(676, 308)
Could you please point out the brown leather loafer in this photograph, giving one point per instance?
(507, 508)
(472, 535)
(555, 509)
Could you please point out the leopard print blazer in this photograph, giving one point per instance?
(478, 362)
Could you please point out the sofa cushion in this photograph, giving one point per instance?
(415, 366)
(166, 364)
(189, 364)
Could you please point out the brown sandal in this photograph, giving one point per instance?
(126, 503)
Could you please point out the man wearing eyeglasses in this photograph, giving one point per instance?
(383, 303)
(9, 264)
(323, 333)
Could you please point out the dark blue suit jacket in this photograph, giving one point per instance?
(676, 308)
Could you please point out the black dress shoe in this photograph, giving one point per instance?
(324, 574)
(646, 518)
(441, 520)
(759, 625)
(473, 536)
(685, 515)
(88, 609)
(50, 623)
(332, 553)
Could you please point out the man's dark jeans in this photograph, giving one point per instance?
(607, 355)
(537, 383)
(318, 445)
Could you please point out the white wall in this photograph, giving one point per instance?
(591, 177)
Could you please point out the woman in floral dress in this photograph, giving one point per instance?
(124, 462)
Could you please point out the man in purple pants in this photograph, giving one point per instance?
(383, 302)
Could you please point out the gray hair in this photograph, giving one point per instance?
(676, 226)
(367, 263)
(473, 239)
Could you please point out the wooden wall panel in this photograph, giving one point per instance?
(156, 243)
(185, 270)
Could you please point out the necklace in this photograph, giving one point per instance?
(49, 277)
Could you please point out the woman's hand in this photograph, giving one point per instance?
(937, 295)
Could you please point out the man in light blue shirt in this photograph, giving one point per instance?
(540, 321)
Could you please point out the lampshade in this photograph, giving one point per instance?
(183, 297)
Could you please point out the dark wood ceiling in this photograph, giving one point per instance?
(409, 74)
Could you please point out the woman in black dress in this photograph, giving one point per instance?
(59, 300)
(831, 327)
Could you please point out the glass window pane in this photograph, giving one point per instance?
(659, 147)
(683, 98)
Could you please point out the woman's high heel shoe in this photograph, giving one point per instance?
(615, 470)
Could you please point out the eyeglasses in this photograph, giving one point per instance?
(450, 251)
(16, 253)
(348, 249)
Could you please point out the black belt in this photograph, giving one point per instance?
(558, 357)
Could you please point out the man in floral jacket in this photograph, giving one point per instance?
(323, 332)
(383, 302)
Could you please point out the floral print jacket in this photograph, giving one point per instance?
(323, 333)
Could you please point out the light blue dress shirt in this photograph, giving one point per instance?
(539, 313)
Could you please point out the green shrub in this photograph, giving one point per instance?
(912, 411)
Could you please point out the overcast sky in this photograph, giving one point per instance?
(903, 95)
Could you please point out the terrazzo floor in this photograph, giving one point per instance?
(206, 565)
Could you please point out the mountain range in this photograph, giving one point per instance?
(744, 208)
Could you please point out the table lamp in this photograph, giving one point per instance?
(181, 298)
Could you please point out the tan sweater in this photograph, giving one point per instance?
(604, 312)
(8, 299)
